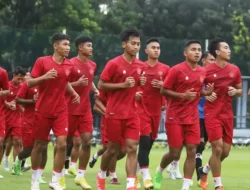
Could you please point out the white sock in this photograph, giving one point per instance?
(160, 170)
(206, 169)
(145, 174)
(26, 163)
(17, 160)
(56, 176)
(80, 173)
(40, 173)
(6, 157)
(96, 156)
(35, 175)
(217, 181)
(137, 168)
(72, 165)
(102, 174)
(130, 182)
(186, 184)
(112, 175)
(63, 172)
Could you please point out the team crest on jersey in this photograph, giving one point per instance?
(231, 75)
(160, 73)
(78, 71)
(11, 93)
(91, 71)
(67, 72)
(139, 71)
(215, 75)
(35, 90)
(187, 78)
(124, 72)
(201, 78)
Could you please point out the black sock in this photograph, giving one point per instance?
(23, 162)
(144, 149)
(199, 151)
(69, 149)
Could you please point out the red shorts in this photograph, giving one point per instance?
(27, 135)
(13, 131)
(120, 129)
(179, 134)
(2, 126)
(149, 125)
(43, 125)
(80, 123)
(76, 134)
(219, 128)
(103, 131)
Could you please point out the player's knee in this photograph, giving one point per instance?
(217, 150)
(225, 154)
(175, 155)
(17, 141)
(61, 147)
(86, 145)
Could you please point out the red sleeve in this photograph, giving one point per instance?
(238, 79)
(108, 72)
(4, 81)
(166, 70)
(170, 79)
(38, 69)
(22, 91)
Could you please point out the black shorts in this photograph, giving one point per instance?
(203, 130)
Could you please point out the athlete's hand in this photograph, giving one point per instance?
(157, 83)
(51, 74)
(76, 98)
(143, 80)
(96, 93)
(232, 91)
(211, 98)
(190, 94)
(209, 89)
(129, 82)
(82, 81)
(11, 105)
(35, 97)
(138, 95)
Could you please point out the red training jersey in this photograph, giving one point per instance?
(29, 111)
(4, 85)
(181, 78)
(88, 70)
(103, 97)
(51, 100)
(151, 101)
(121, 103)
(222, 78)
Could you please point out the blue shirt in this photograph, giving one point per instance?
(201, 107)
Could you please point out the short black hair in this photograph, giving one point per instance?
(205, 54)
(190, 42)
(19, 70)
(152, 40)
(214, 45)
(82, 39)
(57, 37)
(126, 34)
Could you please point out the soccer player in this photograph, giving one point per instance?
(13, 114)
(51, 75)
(121, 77)
(80, 116)
(4, 91)
(218, 109)
(206, 59)
(183, 85)
(27, 97)
(149, 106)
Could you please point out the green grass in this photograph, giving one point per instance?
(235, 174)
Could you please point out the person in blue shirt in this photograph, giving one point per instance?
(206, 59)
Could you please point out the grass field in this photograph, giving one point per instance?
(235, 173)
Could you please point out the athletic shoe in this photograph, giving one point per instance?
(100, 183)
(17, 168)
(6, 165)
(148, 184)
(55, 186)
(170, 171)
(114, 181)
(41, 181)
(35, 185)
(137, 182)
(219, 188)
(62, 182)
(72, 171)
(157, 181)
(25, 168)
(203, 182)
(131, 188)
(92, 162)
(83, 183)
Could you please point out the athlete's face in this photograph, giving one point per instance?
(86, 49)
(224, 51)
(153, 50)
(193, 53)
(18, 79)
(208, 60)
(62, 47)
(132, 46)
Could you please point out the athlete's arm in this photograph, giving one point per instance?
(129, 82)
(25, 101)
(72, 92)
(100, 105)
(188, 95)
(98, 110)
(235, 91)
(52, 74)
(4, 93)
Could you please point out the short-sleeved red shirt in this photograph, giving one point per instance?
(88, 70)
(4, 85)
(13, 117)
(181, 78)
(121, 103)
(51, 100)
(151, 101)
(29, 111)
(222, 78)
